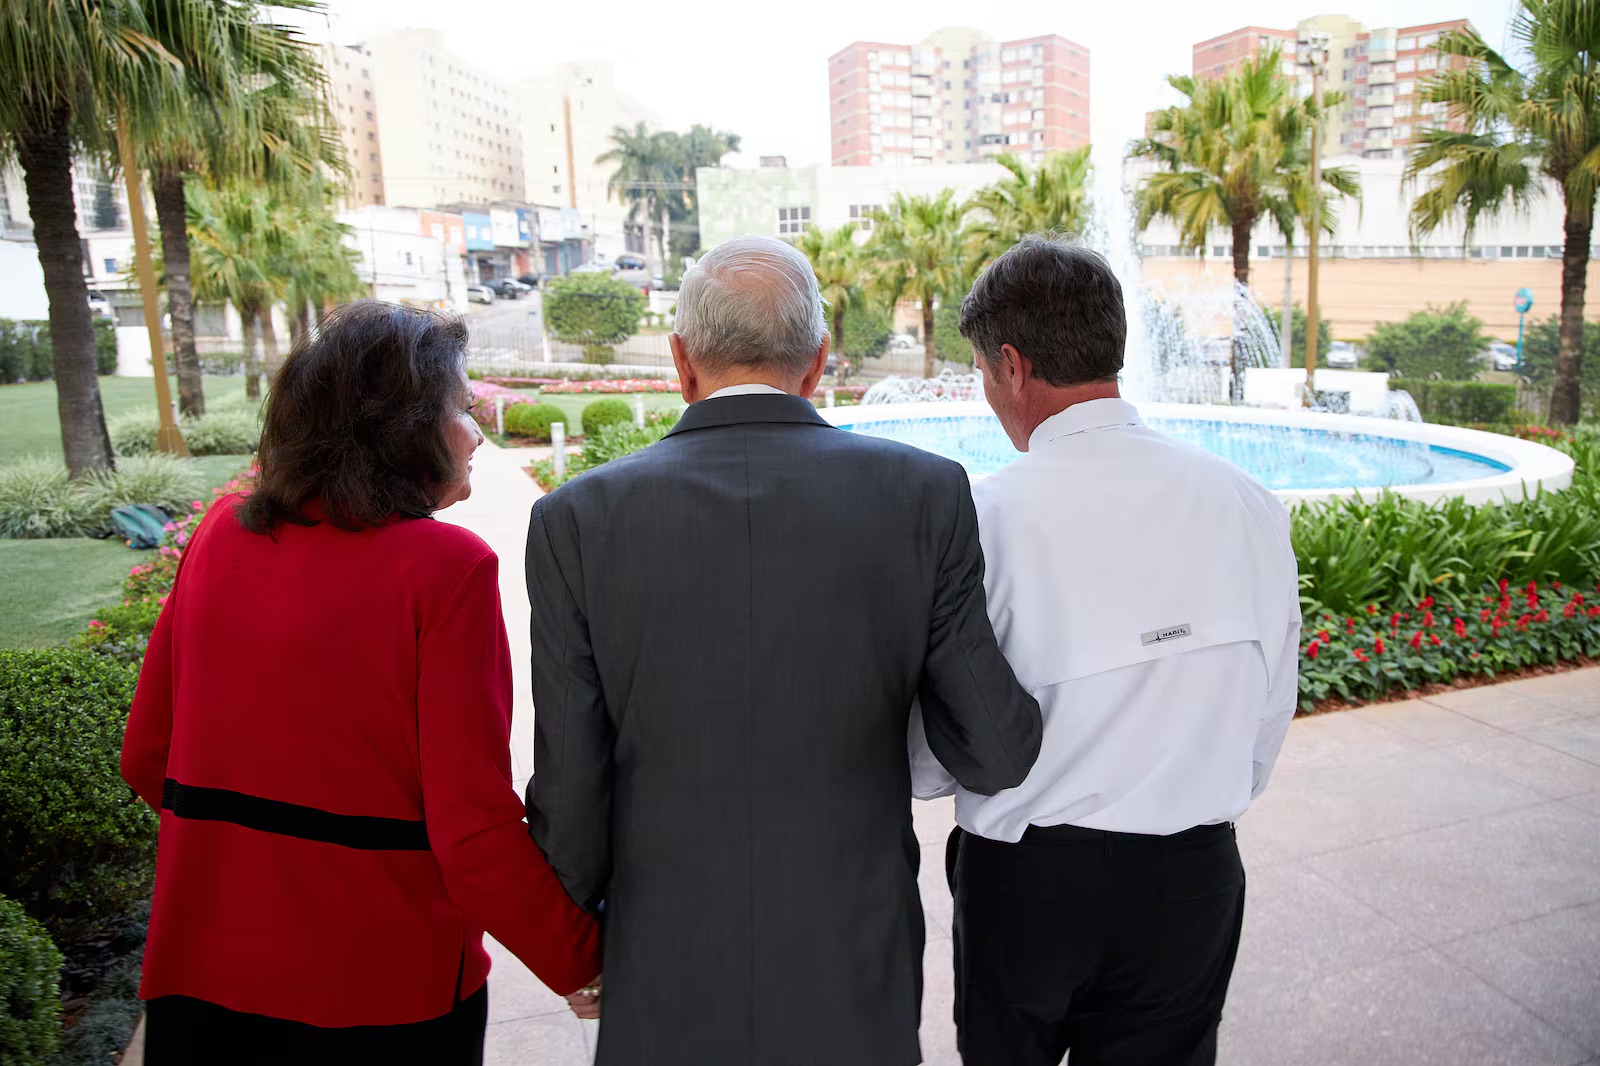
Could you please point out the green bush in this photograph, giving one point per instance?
(603, 413)
(1460, 402)
(533, 420)
(1540, 347)
(1297, 319)
(76, 845)
(228, 431)
(1443, 341)
(30, 988)
(867, 330)
(599, 354)
(949, 344)
(26, 355)
(625, 438)
(592, 309)
(37, 499)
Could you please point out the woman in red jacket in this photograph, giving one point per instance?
(323, 721)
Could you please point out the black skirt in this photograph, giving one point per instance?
(180, 1031)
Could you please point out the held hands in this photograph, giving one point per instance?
(585, 1002)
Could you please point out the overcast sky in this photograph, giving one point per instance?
(744, 66)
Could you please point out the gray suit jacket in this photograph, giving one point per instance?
(729, 629)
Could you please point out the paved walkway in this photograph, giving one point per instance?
(1424, 876)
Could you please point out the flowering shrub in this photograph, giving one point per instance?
(150, 582)
(1369, 655)
(484, 395)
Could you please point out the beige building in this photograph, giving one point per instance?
(568, 115)
(355, 109)
(450, 134)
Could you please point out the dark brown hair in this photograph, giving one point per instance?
(356, 417)
(1056, 302)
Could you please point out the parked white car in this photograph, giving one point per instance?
(1503, 356)
(1342, 355)
(902, 341)
(99, 304)
(480, 294)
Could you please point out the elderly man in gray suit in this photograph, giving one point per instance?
(729, 630)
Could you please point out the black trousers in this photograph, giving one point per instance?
(1115, 946)
(180, 1031)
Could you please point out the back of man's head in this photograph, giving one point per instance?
(1056, 302)
(751, 302)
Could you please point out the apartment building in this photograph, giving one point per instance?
(1380, 71)
(449, 133)
(355, 108)
(957, 97)
(568, 115)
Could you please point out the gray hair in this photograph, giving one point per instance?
(751, 302)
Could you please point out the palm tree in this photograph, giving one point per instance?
(646, 177)
(253, 108)
(916, 248)
(70, 67)
(1521, 127)
(1229, 156)
(321, 267)
(238, 243)
(836, 260)
(1054, 197)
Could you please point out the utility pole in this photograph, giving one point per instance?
(169, 438)
(1315, 48)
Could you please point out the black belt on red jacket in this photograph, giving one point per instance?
(361, 831)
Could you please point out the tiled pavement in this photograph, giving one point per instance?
(1424, 877)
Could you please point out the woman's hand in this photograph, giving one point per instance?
(585, 1002)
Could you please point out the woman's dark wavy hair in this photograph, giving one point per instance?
(356, 419)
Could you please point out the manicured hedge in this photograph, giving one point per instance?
(26, 353)
(30, 988)
(76, 845)
(533, 420)
(603, 413)
(1460, 402)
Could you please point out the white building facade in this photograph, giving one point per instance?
(403, 263)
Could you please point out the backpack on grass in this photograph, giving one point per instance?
(142, 525)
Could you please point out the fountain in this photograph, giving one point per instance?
(1178, 371)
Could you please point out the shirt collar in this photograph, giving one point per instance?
(1084, 417)
(746, 390)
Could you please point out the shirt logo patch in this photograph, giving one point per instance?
(1158, 636)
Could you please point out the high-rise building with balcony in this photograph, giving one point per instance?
(957, 97)
(1380, 72)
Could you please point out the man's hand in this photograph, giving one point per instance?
(585, 1002)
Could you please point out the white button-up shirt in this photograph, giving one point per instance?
(1146, 594)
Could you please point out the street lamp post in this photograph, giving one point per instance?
(1523, 304)
(1312, 51)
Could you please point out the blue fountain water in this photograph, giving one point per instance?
(1280, 457)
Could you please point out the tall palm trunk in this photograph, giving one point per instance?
(838, 343)
(299, 322)
(1242, 225)
(269, 345)
(1566, 399)
(171, 216)
(46, 157)
(249, 318)
(928, 354)
(1286, 325)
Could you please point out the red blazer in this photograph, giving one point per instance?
(323, 721)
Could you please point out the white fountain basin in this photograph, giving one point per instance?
(1300, 455)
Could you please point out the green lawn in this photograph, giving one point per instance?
(53, 587)
(28, 422)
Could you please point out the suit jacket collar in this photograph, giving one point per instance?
(739, 410)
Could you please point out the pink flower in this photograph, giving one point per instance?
(95, 623)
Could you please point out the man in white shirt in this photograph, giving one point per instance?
(1146, 594)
